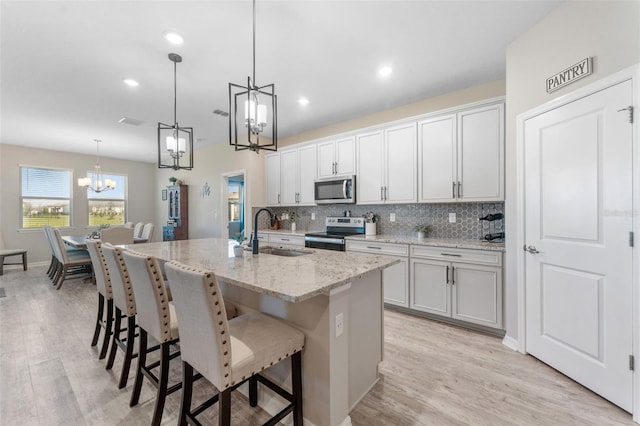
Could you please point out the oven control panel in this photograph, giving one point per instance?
(350, 222)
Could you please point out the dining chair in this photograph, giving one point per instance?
(70, 263)
(10, 253)
(128, 225)
(229, 352)
(117, 235)
(147, 234)
(156, 317)
(137, 229)
(103, 285)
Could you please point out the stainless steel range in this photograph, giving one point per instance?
(337, 228)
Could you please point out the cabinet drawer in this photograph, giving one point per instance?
(296, 240)
(483, 257)
(378, 248)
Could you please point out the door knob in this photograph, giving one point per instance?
(530, 249)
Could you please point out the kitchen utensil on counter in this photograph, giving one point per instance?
(494, 236)
(492, 216)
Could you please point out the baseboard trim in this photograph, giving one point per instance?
(510, 342)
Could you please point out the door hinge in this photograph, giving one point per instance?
(631, 362)
(630, 109)
(631, 239)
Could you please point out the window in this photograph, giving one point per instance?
(46, 197)
(108, 207)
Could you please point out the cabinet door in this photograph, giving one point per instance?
(273, 179)
(307, 175)
(401, 164)
(481, 154)
(370, 165)
(477, 294)
(288, 177)
(345, 156)
(326, 159)
(396, 283)
(436, 158)
(430, 290)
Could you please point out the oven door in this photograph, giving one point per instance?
(325, 243)
(330, 191)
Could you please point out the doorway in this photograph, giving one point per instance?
(576, 280)
(234, 207)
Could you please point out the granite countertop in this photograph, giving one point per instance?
(293, 279)
(434, 242)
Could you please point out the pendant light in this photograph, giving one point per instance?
(96, 182)
(175, 143)
(253, 117)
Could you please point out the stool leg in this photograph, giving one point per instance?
(142, 359)
(187, 392)
(108, 329)
(96, 332)
(296, 381)
(163, 381)
(1, 265)
(253, 391)
(224, 416)
(115, 337)
(24, 261)
(128, 354)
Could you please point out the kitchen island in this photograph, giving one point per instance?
(335, 298)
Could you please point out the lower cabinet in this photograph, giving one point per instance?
(294, 240)
(395, 278)
(462, 284)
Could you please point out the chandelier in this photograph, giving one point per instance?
(175, 143)
(250, 107)
(96, 182)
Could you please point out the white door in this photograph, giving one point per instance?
(578, 207)
(430, 286)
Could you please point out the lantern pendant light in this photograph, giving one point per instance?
(253, 116)
(175, 143)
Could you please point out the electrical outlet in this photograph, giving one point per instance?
(339, 324)
(313, 216)
(392, 217)
(452, 218)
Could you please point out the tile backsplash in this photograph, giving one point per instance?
(408, 216)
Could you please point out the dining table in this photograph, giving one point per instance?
(75, 241)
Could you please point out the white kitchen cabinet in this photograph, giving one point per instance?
(272, 165)
(462, 284)
(290, 176)
(461, 156)
(336, 157)
(396, 277)
(294, 240)
(387, 167)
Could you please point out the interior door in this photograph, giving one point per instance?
(578, 207)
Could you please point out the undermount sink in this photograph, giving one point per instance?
(282, 251)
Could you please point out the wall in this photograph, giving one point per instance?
(448, 100)
(609, 31)
(208, 212)
(141, 178)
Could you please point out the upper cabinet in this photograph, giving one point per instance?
(290, 176)
(387, 167)
(461, 156)
(336, 157)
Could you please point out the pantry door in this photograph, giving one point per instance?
(578, 220)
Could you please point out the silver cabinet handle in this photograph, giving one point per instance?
(284, 239)
(447, 274)
(278, 198)
(335, 168)
(374, 247)
(453, 277)
(382, 193)
(451, 254)
(459, 190)
(386, 195)
(531, 249)
(453, 190)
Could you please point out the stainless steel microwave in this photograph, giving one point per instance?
(335, 190)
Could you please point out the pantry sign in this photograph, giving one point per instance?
(569, 75)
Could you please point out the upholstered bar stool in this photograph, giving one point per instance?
(125, 305)
(230, 352)
(156, 317)
(103, 285)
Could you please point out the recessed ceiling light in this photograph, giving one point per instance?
(173, 37)
(303, 101)
(385, 71)
(130, 82)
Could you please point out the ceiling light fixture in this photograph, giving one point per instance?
(130, 82)
(173, 38)
(303, 101)
(175, 143)
(94, 181)
(385, 71)
(256, 113)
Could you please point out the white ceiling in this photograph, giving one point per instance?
(62, 63)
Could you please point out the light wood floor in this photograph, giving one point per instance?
(433, 374)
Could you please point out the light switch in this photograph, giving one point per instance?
(452, 218)
(313, 216)
(392, 217)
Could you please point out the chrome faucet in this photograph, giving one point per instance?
(254, 242)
